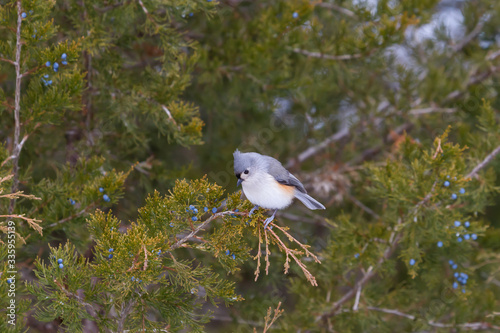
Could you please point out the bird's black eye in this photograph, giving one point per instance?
(246, 172)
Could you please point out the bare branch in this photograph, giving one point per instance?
(17, 109)
(393, 243)
(143, 7)
(363, 207)
(470, 326)
(390, 311)
(418, 112)
(476, 78)
(493, 56)
(311, 151)
(339, 9)
(327, 56)
(91, 309)
(170, 116)
(484, 162)
(358, 296)
(473, 34)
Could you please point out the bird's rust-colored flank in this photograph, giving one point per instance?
(288, 188)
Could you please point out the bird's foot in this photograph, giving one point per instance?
(269, 220)
(252, 210)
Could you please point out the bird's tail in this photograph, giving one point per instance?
(309, 201)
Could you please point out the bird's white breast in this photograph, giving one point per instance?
(263, 190)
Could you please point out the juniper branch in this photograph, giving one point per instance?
(80, 213)
(201, 226)
(393, 243)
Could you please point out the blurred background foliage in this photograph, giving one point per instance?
(350, 96)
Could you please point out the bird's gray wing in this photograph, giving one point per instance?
(282, 175)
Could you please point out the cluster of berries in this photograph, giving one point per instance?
(461, 278)
(194, 210)
(447, 183)
(24, 15)
(45, 81)
(111, 254)
(105, 197)
(466, 236)
(228, 253)
(60, 262)
(55, 65)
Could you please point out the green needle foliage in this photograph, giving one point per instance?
(140, 278)
(118, 205)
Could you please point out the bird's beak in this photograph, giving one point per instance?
(239, 182)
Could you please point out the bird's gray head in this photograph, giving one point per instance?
(245, 165)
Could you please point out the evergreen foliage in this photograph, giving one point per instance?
(112, 112)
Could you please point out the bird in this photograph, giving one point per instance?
(267, 184)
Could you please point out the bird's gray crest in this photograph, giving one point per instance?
(241, 161)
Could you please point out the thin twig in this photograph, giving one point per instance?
(259, 254)
(471, 326)
(439, 150)
(80, 300)
(31, 221)
(363, 207)
(358, 296)
(170, 116)
(143, 7)
(304, 247)
(270, 321)
(291, 253)
(80, 213)
(145, 258)
(484, 162)
(8, 60)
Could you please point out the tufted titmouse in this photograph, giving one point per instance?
(266, 183)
